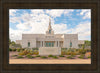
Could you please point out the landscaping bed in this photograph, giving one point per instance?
(34, 54)
(14, 55)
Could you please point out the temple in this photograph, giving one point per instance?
(49, 39)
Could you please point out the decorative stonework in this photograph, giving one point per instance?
(49, 51)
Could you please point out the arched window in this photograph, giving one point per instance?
(28, 44)
(70, 44)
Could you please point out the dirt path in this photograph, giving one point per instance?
(46, 61)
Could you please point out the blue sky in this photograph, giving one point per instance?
(63, 21)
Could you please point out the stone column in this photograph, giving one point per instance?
(58, 43)
(40, 43)
(55, 43)
(43, 43)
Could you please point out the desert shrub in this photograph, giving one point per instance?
(14, 55)
(81, 56)
(10, 49)
(13, 49)
(35, 52)
(44, 57)
(50, 55)
(63, 52)
(20, 57)
(70, 57)
(22, 49)
(88, 50)
(89, 57)
(34, 48)
(64, 49)
(29, 56)
(30, 53)
(73, 53)
(21, 53)
(18, 50)
(76, 49)
(61, 55)
(82, 51)
(37, 55)
(26, 52)
(68, 53)
(55, 57)
(77, 53)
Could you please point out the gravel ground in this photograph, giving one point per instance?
(52, 61)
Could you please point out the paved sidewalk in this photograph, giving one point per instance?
(47, 61)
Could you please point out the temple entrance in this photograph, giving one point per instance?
(49, 44)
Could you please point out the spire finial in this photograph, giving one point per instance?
(49, 20)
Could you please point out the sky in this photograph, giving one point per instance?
(36, 21)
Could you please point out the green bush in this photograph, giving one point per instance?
(18, 50)
(63, 48)
(30, 53)
(82, 51)
(22, 49)
(14, 55)
(63, 52)
(61, 55)
(37, 55)
(88, 50)
(10, 49)
(55, 57)
(81, 56)
(44, 57)
(50, 55)
(70, 57)
(89, 56)
(29, 56)
(35, 49)
(21, 53)
(20, 57)
(35, 52)
(14, 49)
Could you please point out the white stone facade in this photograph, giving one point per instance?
(49, 40)
(39, 40)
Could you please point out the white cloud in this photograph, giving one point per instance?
(83, 30)
(23, 26)
(15, 34)
(12, 12)
(15, 19)
(58, 12)
(68, 12)
(86, 13)
(37, 22)
(37, 11)
(59, 28)
(55, 12)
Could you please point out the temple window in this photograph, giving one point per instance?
(28, 44)
(70, 44)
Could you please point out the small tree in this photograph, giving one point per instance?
(13, 43)
(87, 43)
(83, 46)
(9, 41)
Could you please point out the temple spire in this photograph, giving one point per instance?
(50, 31)
(49, 24)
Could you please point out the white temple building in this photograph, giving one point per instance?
(49, 39)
